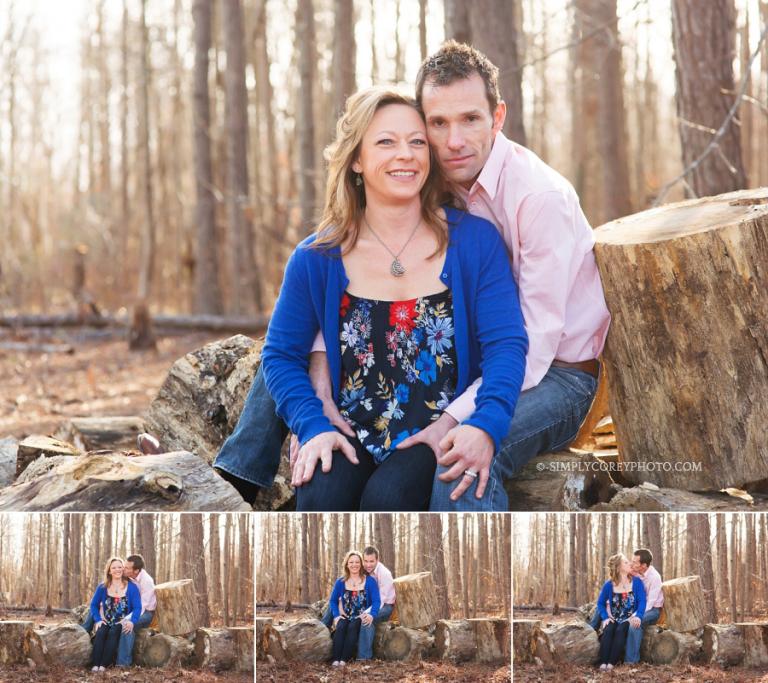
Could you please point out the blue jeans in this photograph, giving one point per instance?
(365, 639)
(125, 646)
(635, 636)
(547, 418)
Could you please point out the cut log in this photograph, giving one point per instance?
(111, 482)
(685, 284)
(101, 433)
(559, 482)
(647, 498)
(572, 643)
(723, 644)
(416, 600)
(755, 645)
(155, 650)
(68, 645)
(37, 445)
(493, 639)
(8, 449)
(524, 634)
(261, 624)
(215, 649)
(177, 612)
(673, 648)
(15, 638)
(243, 641)
(455, 640)
(382, 629)
(684, 606)
(43, 465)
(202, 397)
(307, 640)
(406, 644)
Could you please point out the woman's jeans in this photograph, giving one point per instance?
(345, 639)
(105, 644)
(367, 632)
(612, 642)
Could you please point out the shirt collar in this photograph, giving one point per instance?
(489, 176)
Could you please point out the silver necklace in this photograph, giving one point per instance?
(396, 268)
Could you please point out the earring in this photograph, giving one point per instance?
(358, 179)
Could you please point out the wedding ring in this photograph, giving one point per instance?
(470, 473)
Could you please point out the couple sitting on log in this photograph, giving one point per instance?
(363, 597)
(124, 603)
(402, 337)
(629, 601)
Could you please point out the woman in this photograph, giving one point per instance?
(353, 594)
(114, 600)
(621, 599)
(411, 300)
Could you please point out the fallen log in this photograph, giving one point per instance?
(559, 482)
(8, 448)
(261, 624)
(493, 639)
(35, 446)
(416, 600)
(573, 643)
(66, 645)
(156, 650)
(243, 642)
(36, 347)
(685, 284)
(723, 644)
(664, 647)
(214, 649)
(114, 482)
(455, 640)
(648, 498)
(524, 634)
(177, 612)
(684, 606)
(306, 640)
(100, 433)
(405, 644)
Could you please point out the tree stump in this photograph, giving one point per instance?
(215, 649)
(573, 643)
(112, 482)
(755, 645)
(524, 633)
(723, 644)
(455, 640)
(177, 607)
(684, 606)
(261, 624)
(35, 446)
(307, 640)
(671, 647)
(155, 650)
(101, 433)
(243, 643)
(8, 449)
(493, 639)
(687, 352)
(68, 645)
(405, 644)
(416, 600)
(200, 401)
(15, 639)
(559, 482)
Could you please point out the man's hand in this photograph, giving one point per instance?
(634, 622)
(320, 448)
(466, 448)
(366, 619)
(127, 626)
(431, 435)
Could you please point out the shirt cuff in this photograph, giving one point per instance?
(319, 343)
(463, 406)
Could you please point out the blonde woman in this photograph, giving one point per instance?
(354, 594)
(621, 601)
(410, 301)
(114, 601)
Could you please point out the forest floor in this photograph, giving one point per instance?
(24, 674)
(381, 672)
(39, 391)
(643, 673)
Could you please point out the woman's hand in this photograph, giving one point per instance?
(320, 448)
(606, 622)
(336, 621)
(466, 448)
(97, 626)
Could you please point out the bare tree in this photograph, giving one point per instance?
(307, 58)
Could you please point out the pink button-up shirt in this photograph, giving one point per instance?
(550, 244)
(386, 584)
(654, 596)
(146, 586)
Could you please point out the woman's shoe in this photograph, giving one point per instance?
(102, 668)
(95, 668)
(342, 663)
(335, 663)
(603, 667)
(608, 667)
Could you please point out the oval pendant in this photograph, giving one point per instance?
(397, 268)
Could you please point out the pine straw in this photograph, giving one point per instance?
(642, 673)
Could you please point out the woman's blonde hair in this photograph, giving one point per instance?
(345, 568)
(614, 566)
(344, 199)
(107, 578)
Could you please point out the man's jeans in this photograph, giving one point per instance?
(365, 639)
(125, 646)
(635, 636)
(547, 418)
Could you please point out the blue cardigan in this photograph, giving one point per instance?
(134, 601)
(607, 592)
(372, 598)
(489, 333)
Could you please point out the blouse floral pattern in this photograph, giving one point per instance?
(114, 609)
(623, 605)
(398, 366)
(353, 602)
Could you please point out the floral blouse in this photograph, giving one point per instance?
(398, 367)
(353, 602)
(114, 609)
(623, 605)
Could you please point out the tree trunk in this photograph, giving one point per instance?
(684, 604)
(161, 650)
(344, 58)
(177, 610)
(262, 624)
(192, 552)
(405, 644)
(68, 645)
(455, 640)
(705, 93)
(723, 644)
(307, 58)
(654, 267)
(698, 529)
(416, 600)
(307, 640)
(525, 633)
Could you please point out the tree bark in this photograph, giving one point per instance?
(493, 638)
(307, 58)
(262, 645)
(723, 644)
(15, 637)
(161, 650)
(67, 645)
(672, 648)
(684, 604)
(525, 633)
(416, 600)
(101, 433)
(224, 649)
(405, 644)
(573, 643)
(307, 640)
(177, 610)
(455, 640)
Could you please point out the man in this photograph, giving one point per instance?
(383, 577)
(135, 571)
(550, 244)
(654, 601)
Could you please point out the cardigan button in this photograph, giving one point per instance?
(444, 276)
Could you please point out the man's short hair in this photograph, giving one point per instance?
(137, 561)
(370, 550)
(645, 556)
(455, 61)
